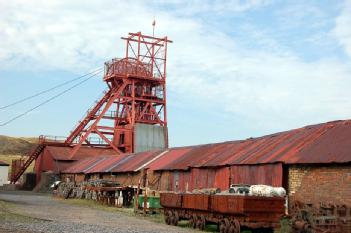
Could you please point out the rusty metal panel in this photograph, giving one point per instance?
(83, 165)
(63, 153)
(62, 165)
(247, 204)
(222, 178)
(171, 200)
(201, 178)
(263, 204)
(332, 146)
(196, 201)
(165, 162)
(165, 181)
(43, 162)
(227, 204)
(186, 183)
(209, 178)
(104, 165)
(134, 162)
(181, 181)
(197, 178)
(268, 174)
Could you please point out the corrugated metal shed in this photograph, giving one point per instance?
(322, 143)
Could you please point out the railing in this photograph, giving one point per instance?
(61, 139)
(51, 139)
(130, 66)
(96, 141)
(112, 114)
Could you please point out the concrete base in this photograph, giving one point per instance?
(10, 187)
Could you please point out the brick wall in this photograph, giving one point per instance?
(320, 183)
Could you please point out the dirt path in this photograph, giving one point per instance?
(30, 212)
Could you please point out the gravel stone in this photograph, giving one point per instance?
(39, 213)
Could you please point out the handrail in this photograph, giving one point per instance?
(60, 139)
(130, 66)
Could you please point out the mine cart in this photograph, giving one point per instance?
(320, 217)
(230, 212)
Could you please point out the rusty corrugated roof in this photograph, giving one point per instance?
(117, 163)
(63, 153)
(134, 162)
(106, 164)
(81, 166)
(323, 143)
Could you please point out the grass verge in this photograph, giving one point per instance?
(6, 215)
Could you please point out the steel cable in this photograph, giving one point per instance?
(48, 100)
(47, 90)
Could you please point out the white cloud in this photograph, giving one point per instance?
(342, 29)
(219, 6)
(273, 87)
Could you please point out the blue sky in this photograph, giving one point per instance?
(236, 69)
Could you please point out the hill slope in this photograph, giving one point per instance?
(15, 146)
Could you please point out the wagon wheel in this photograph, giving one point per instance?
(201, 222)
(193, 220)
(168, 217)
(235, 226)
(224, 226)
(175, 218)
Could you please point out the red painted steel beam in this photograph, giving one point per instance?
(108, 104)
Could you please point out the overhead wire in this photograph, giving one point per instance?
(50, 89)
(48, 100)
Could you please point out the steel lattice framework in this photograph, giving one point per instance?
(136, 94)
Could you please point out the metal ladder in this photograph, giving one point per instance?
(32, 156)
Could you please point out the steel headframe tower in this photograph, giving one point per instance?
(136, 94)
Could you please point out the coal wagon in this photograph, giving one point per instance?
(230, 212)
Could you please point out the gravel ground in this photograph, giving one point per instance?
(27, 212)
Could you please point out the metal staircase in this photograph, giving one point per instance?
(32, 156)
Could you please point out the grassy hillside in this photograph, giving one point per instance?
(15, 146)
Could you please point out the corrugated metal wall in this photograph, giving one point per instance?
(269, 174)
(196, 178)
(149, 137)
(222, 177)
(124, 179)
